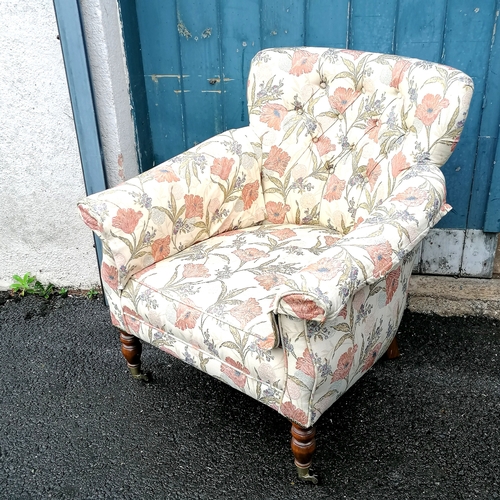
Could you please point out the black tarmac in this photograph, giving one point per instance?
(73, 424)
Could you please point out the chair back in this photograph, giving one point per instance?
(339, 126)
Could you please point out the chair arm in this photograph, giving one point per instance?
(369, 252)
(212, 188)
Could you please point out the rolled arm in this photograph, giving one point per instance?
(373, 249)
(207, 190)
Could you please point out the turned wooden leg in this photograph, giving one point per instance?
(132, 350)
(393, 351)
(303, 446)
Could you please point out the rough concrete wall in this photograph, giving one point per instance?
(40, 173)
(106, 54)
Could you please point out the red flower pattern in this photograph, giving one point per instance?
(277, 160)
(343, 312)
(399, 164)
(273, 115)
(430, 107)
(302, 62)
(186, 314)
(267, 343)
(325, 269)
(249, 254)
(222, 167)
(89, 220)
(305, 364)
(250, 193)
(342, 98)
(373, 171)
(373, 127)
(325, 145)
(331, 240)
(164, 173)
(334, 188)
(371, 357)
(161, 248)
(194, 205)
(276, 211)
(353, 53)
(246, 311)
(398, 72)
(269, 281)
(358, 222)
(344, 364)
(304, 308)
(132, 319)
(114, 320)
(110, 275)
(412, 197)
(381, 256)
(283, 234)
(391, 284)
(195, 271)
(235, 371)
(126, 219)
(293, 413)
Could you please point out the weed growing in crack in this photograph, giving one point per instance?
(29, 285)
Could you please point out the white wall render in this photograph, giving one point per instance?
(40, 172)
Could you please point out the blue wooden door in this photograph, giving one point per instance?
(190, 73)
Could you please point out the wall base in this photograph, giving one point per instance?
(457, 252)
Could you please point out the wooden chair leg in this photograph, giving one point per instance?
(132, 350)
(393, 351)
(303, 446)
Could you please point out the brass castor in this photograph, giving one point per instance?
(138, 374)
(305, 476)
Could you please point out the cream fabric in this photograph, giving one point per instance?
(342, 159)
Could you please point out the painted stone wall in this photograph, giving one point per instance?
(40, 172)
(105, 52)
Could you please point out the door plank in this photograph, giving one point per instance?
(162, 77)
(467, 43)
(240, 42)
(199, 41)
(372, 25)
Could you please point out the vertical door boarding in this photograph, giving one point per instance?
(189, 61)
(82, 100)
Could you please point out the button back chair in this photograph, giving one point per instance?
(276, 257)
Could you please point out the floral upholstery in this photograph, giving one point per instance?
(207, 190)
(214, 305)
(342, 159)
(339, 126)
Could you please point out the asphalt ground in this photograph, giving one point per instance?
(73, 424)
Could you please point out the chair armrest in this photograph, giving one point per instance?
(369, 252)
(212, 188)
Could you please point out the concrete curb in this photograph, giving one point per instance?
(448, 296)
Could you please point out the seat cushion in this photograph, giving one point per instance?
(218, 295)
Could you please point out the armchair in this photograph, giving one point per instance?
(276, 257)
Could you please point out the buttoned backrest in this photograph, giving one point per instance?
(337, 127)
